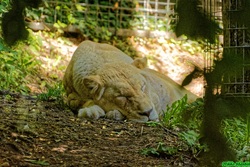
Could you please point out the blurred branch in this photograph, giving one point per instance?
(13, 26)
(194, 23)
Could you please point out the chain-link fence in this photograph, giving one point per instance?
(236, 43)
(142, 16)
(233, 45)
(213, 9)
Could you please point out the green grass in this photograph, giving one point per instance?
(172, 116)
(186, 120)
(161, 150)
(17, 63)
(54, 93)
(236, 130)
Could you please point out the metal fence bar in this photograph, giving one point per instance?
(145, 15)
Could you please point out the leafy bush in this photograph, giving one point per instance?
(54, 93)
(161, 150)
(187, 119)
(236, 130)
(191, 138)
(17, 63)
(187, 127)
(172, 116)
(4, 6)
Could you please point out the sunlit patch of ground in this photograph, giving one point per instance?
(174, 59)
(171, 57)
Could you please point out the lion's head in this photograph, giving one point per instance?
(121, 87)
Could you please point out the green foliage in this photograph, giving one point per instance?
(12, 21)
(248, 128)
(4, 6)
(54, 93)
(153, 123)
(194, 23)
(124, 45)
(172, 116)
(236, 131)
(161, 150)
(188, 117)
(37, 162)
(60, 26)
(193, 114)
(91, 30)
(34, 14)
(17, 64)
(96, 19)
(184, 116)
(191, 138)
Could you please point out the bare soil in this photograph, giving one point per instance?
(46, 133)
(38, 133)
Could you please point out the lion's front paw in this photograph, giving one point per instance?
(115, 115)
(92, 112)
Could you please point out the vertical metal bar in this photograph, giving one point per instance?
(109, 21)
(148, 9)
(120, 13)
(145, 15)
(168, 11)
(156, 15)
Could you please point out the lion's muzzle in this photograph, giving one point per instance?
(153, 115)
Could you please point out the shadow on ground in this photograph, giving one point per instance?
(35, 133)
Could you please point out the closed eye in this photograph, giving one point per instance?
(121, 100)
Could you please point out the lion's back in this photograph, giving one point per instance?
(99, 53)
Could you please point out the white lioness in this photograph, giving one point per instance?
(101, 80)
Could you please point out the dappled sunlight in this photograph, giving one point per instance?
(173, 58)
(57, 53)
(54, 57)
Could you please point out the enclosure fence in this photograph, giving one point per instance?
(237, 43)
(142, 16)
(233, 43)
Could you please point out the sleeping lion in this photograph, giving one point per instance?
(102, 81)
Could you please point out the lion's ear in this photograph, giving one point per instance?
(140, 63)
(94, 85)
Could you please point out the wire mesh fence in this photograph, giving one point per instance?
(213, 9)
(147, 15)
(236, 43)
(233, 43)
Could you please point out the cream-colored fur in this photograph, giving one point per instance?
(101, 80)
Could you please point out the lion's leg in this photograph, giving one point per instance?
(115, 115)
(74, 102)
(92, 112)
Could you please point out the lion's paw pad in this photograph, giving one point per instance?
(93, 112)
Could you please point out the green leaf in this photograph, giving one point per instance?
(37, 162)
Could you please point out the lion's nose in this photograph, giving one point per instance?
(147, 112)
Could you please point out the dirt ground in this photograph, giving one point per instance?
(38, 133)
(41, 133)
